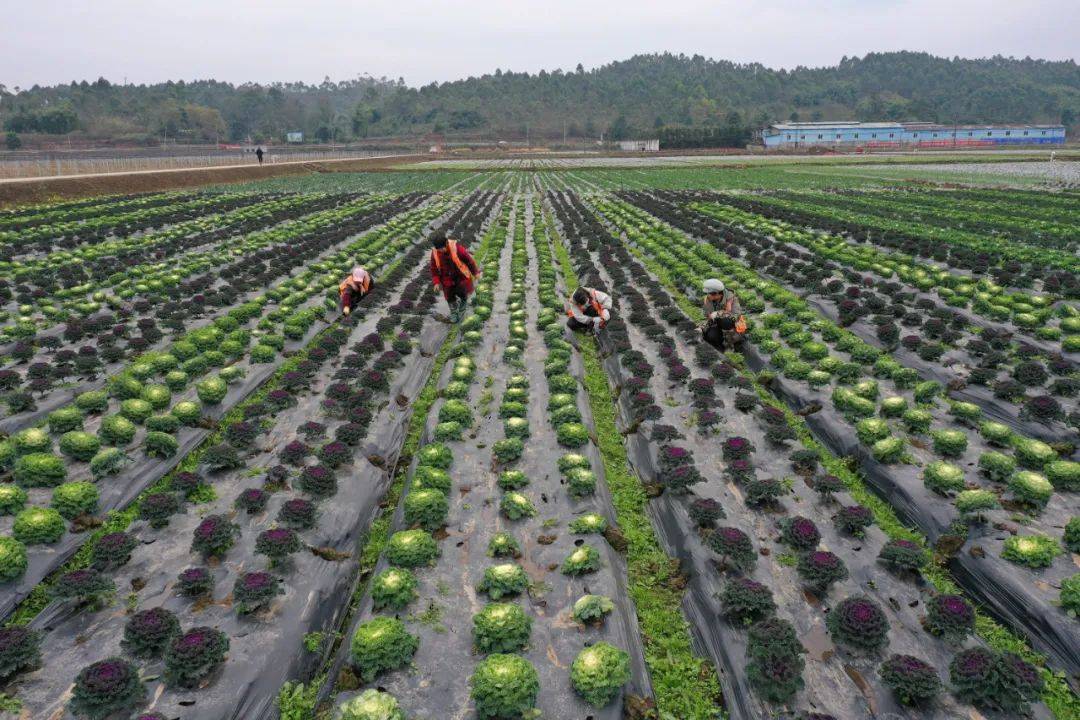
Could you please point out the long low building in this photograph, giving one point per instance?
(872, 135)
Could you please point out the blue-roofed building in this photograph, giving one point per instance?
(879, 135)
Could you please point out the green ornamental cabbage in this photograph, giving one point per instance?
(75, 498)
(117, 430)
(949, 443)
(136, 410)
(870, 430)
(212, 391)
(372, 704)
(973, 503)
(572, 435)
(12, 559)
(1031, 487)
(65, 419)
(436, 455)
(503, 544)
(79, 445)
(893, 406)
(943, 477)
(599, 672)
(592, 608)
(515, 505)
(93, 402)
(380, 645)
(504, 580)
(504, 686)
(996, 433)
(997, 466)
(585, 559)
(158, 396)
(39, 470)
(412, 548)
(501, 627)
(393, 588)
(12, 498)
(426, 508)
(507, 450)
(1063, 475)
(187, 412)
(1036, 551)
(36, 526)
(429, 478)
(108, 461)
(1033, 454)
(31, 440)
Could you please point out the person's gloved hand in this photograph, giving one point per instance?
(346, 310)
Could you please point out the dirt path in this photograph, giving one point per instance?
(22, 190)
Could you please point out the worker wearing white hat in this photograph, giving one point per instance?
(723, 314)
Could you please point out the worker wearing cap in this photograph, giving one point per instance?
(453, 270)
(589, 309)
(353, 288)
(723, 316)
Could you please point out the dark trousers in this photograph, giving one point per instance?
(713, 332)
(578, 326)
(455, 294)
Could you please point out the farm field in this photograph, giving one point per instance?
(219, 498)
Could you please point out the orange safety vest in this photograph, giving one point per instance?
(596, 306)
(461, 266)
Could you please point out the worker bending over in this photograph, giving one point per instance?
(724, 324)
(589, 309)
(354, 288)
(453, 269)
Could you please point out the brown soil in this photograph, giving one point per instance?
(46, 189)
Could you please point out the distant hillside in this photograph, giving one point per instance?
(631, 97)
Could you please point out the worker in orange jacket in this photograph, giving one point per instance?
(453, 269)
(353, 288)
(589, 309)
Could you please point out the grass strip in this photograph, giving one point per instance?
(1058, 696)
(685, 686)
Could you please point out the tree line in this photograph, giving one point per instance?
(685, 100)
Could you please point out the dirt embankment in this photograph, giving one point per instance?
(72, 186)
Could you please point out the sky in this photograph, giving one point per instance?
(144, 41)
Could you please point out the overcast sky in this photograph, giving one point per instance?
(51, 41)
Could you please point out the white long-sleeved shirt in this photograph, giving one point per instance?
(603, 299)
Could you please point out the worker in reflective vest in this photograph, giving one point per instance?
(353, 288)
(589, 309)
(453, 269)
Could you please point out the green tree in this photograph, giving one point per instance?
(12, 141)
(620, 129)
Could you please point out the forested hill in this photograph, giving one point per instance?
(622, 98)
